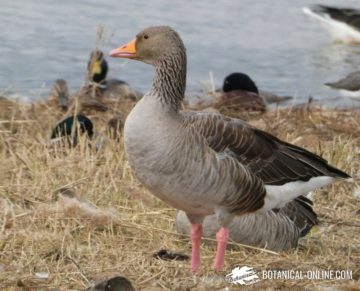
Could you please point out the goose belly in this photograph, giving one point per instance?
(163, 166)
(176, 182)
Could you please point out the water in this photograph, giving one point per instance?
(282, 49)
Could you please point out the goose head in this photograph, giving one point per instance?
(162, 47)
(151, 45)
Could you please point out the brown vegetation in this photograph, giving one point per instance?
(70, 217)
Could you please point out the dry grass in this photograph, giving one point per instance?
(80, 216)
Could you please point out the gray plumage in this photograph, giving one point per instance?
(117, 89)
(204, 163)
(351, 82)
(274, 230)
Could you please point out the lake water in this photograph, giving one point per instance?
(282, 49)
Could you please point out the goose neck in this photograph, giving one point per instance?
(170, 80)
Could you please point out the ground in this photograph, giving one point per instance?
(71, 217)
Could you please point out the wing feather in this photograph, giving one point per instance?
(274, 161)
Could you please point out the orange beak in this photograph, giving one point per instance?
(126, 51)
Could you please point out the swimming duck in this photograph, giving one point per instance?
(348, 86)
(59, 95)
(343, 24)
(277, 230)
(70, 127)
(206, 163)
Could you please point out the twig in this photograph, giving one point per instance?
(152, 277)
(79, 269)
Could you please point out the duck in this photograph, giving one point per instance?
(115, 126)
(87, 98)
(206, 163)
(97, 67)
(91, 96)
(348, 86)
(68, 130)
(118, 283)
(70, 126)
(238, 81)
(99, 94)
(240, 91)
(343, 24)
(276, 230)
(113, 88)
(59, 95)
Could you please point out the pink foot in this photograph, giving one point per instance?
(222, 239)
(196, 234)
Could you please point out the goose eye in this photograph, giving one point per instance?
(146, 36)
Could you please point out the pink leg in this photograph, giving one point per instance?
(222, 239)
(196, 234)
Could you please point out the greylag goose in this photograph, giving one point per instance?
(277, 230)
(343, 24)
(348, 86)
(242, 82)
(206, 163)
